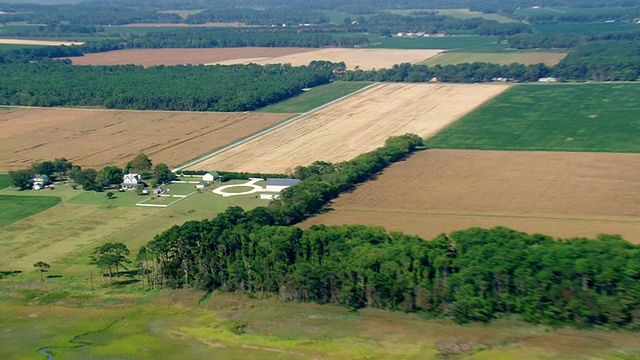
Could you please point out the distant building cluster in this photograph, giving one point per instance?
(419, 34)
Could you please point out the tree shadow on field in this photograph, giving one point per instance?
(9, 273)
(123, 283)
(53, 276)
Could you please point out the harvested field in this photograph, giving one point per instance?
(365, 59)
(96, 138)
(152, 57)
(355, 125)
(555, 193)
(38, 42)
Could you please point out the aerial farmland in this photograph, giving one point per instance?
(466, 181)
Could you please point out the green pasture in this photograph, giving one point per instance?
(5, 179)
(554, 117)
(466, 43)
(504, 58)
(8, 47)
(182, 13)
(468, 14)
(14, 208)
(315, 97)
(585, 28)
(459, 13)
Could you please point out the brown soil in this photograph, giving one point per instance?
(151, 57)
(560, 194)
(365, 59)
(96, 138)
(355, 125)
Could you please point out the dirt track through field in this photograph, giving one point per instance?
(560, 194)
(355, 125)
(96, 138)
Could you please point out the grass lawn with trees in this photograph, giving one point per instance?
(555, 117)
(14, 208)
(315, 97)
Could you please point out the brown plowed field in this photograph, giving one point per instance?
(96, 138)
(363, 58)
(151, 57)
(439, 191)
(355, 125)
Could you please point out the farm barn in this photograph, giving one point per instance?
(277, 185)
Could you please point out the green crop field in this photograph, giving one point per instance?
(585, 28)
(14, 208)
(315, 97)
(505, 58)
(5, 180)
(6, 47)
(466, 43)
(562, 117)
(468, 14)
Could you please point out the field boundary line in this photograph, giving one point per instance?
(267, 130)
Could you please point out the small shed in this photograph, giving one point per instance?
(202, 185)
(277, 185)
(269, 196)
(210, 176)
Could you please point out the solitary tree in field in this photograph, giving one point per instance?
(42, 267)
(110, 256)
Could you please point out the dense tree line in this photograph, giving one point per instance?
(565, 41)
(458, 73)
(241, 37)
(198, 88)
(84, 13)
(601, 14)
(602, 61)
(259, 17)
(432, 23)
(472, 275)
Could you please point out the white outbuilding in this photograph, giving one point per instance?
(210, 176)
(277, 185)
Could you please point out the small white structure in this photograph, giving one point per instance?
(202, 185)
(548, 79)
(269, 196)
(211, 176)
(39, 182)
(277, 185)
(131, 181)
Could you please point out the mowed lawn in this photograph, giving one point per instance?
(554, 117)
(14, 208)
(5, 181)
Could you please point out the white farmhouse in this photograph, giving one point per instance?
(39, 181)
(131, 181)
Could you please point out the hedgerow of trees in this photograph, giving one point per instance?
(192, 88)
